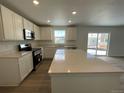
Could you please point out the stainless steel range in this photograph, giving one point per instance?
(37, 57)
(36, 54)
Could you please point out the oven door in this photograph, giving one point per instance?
(36, 60)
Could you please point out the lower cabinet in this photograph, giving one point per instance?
(49, 52)
(25, 65)
(14, 70)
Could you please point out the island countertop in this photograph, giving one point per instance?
(77, 61)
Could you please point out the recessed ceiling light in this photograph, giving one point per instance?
(36, 2)
(48, 21)
(74, 12)
(69, 21)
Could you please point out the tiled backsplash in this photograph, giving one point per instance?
(12, 45)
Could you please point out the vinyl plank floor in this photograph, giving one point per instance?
(37, 82)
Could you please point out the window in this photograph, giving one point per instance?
(98, 43)
(59, 36)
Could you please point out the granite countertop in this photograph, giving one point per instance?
(77, 61)
(13, 54)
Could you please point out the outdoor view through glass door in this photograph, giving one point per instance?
(98, 43)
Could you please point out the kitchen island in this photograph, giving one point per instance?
(74, 71)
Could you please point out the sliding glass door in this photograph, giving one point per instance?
(98, 43)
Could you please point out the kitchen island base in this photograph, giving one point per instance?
(86, 83)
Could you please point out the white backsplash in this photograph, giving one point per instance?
(12, 45)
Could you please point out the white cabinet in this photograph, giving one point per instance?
(16, 68)
(27, 24)
(37, 32)
(18, 27)
(11, 25)
(7, 21)
(71, 33)
(25, 65)
(46, 33)
(49, 52)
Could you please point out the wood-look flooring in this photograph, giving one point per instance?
(37, 82)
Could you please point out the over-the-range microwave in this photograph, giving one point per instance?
(28, 35)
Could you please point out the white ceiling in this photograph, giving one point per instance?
(89, 12)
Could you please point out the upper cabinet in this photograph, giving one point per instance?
(18, 27)
(11, 26)
(71, 33)
(27, 24)
(46, 33)
(37, 32)
(7, 22)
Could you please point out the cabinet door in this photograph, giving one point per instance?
(7, 17)
(71, 33)
(18, 27)
(22, 68)
(27, 24)
(25, 65)
(46, 33)
(30, 25)
(49, 52)
(1, 28)
(29, 62)
(37, 32)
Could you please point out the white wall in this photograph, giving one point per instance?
(116, 47)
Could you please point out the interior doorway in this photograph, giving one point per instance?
(98, 43)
